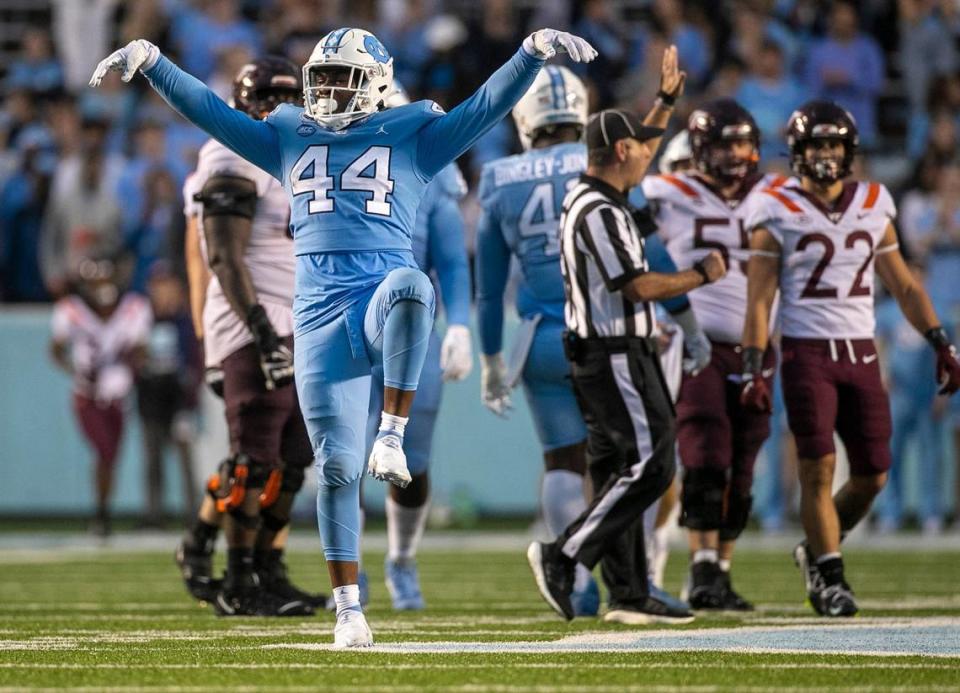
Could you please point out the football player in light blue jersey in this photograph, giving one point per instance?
(520, 198)
(355, 174)
(440, 253)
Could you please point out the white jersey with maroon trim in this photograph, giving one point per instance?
(99, 347)
(693, 220)
(268, 257)
(826, 266)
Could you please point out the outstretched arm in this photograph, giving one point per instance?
(254, 140)
(447, 137)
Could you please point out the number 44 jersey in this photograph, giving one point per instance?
(693, 219)
(826, 266)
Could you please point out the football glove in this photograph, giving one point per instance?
(213, 377)
(546, 43)
(456, 353)
(948, 367)
(276, 360)
(754, 393)
(494, 391)
(696, 346)
(136, 55)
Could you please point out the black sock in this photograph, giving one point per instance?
(832, 570)
(267, 557)
(202, 536)
(239, 569)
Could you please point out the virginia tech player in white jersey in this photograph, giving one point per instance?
(699, 210)
(240, 215)
(819, 243)
(694, 217)
(268, 256)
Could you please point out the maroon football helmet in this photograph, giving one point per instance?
(711, 128)
(266, 83)
(821, 120)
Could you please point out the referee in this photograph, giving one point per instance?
(616, 374)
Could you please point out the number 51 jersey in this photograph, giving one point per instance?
(693, 219)
(826, 265)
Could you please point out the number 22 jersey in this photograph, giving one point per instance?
(827, 254)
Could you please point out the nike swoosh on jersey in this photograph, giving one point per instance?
(869, 358)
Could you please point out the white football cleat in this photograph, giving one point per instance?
(387, 461)
(351, 630)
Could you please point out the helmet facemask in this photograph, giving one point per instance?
(336, 94)
(719, 160)
(823, 166)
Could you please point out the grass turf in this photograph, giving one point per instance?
(123, 621)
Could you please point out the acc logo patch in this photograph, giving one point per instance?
(376, 49)
(305, 130)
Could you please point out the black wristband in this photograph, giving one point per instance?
(666, 99)
(264, 336)
(702, 271)
(937, 337)
(752, 360)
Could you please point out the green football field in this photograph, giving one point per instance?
(120, 620)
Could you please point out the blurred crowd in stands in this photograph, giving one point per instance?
(95, 172)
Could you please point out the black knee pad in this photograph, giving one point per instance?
(736, 517)
(292, 481)
(702, 499)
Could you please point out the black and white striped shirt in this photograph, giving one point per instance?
(600, 251)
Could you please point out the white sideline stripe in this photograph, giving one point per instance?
(491, 665)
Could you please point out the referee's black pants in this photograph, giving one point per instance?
(631, 457)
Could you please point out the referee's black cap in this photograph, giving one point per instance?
(606, 127)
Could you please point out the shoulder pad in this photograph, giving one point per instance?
(224, 195)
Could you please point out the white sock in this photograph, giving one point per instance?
(709, 555)
(562, 501)
(724, 564)
(659, 550)
(392, 425)
(346, 597)
(404, 529)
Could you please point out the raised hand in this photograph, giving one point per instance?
(672, 78)
(136, 55)
(546, 43)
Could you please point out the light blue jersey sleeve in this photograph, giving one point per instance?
(659, 260)
(254, 140)
(448, 253)
(492, 270)
(445, 138)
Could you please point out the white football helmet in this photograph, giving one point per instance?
(677, 156)
(357, 55)
(556, 96)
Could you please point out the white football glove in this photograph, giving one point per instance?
(139, 54)
(456, 353)
(494, 391)
(546, 43)
(695, 343)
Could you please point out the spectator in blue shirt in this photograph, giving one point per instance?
(693, 46)
(848, 67)
(771, 96)
(200, 35)
(36, 70)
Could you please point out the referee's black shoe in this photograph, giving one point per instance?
(648, 610)
(554, 573)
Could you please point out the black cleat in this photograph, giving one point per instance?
(273, 578)
(812, 579)
(732, 601)
(255, 601)
(649, 610)
(554, 574)
(196, 568)
(835, 601)
(706, 586)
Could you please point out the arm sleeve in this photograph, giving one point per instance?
(254, 140)
(492, 270)
(659, 260)
(447, 137)
(614, 246)
(449, 253)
